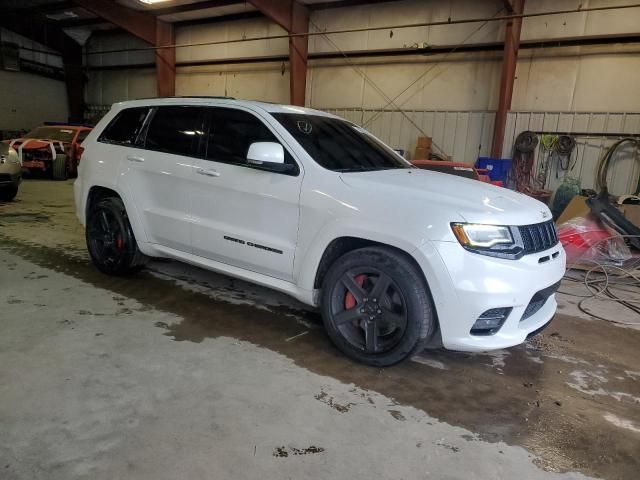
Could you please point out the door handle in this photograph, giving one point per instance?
(134, 158)
(208, 173)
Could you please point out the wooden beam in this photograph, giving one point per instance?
(508, 5)
(165, 59)
(190, 7)
(137, 23)
(147, 27)
(298, 54)
(294, 18)
(507, 77)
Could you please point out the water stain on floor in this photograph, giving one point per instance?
(7, 218)
(521, 398)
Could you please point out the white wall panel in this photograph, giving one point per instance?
(453, 96)
(52, 59)
(27, 100)
(466, 135)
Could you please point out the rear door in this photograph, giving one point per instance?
(244, 216)
(159, 175)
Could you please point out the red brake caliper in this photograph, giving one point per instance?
(349, 299)
(119, 243)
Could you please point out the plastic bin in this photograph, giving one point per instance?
(497, 168)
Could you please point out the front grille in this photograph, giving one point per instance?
(5, 177)
(538, 237)
(538, 300)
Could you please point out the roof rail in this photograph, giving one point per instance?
(220, 97)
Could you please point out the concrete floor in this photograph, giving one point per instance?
(182, 373)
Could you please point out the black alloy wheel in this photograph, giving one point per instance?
(110, 240)
(376, 306)
(369, 310)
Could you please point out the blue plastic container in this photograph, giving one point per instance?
(497, 168)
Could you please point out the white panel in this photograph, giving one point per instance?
(142, 84)
(201, 81)
(199, 34)
(466, 135)
(27, 100)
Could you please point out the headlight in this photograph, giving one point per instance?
(492, 240)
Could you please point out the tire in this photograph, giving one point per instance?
(59, 168)
(8, 193)
(378, 324)
(112, 246)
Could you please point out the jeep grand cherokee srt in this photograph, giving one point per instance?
(312, 205)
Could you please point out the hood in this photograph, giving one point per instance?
(456, 197)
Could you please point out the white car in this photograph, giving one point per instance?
(309, 204)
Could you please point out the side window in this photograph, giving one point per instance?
(175, 130)
(124, 129)
(232, 131)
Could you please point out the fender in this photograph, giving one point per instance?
(306, 268)
(132, 213)
(412, 243)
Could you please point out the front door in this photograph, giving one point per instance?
(243, 216)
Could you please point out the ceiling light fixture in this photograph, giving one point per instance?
(151, 2)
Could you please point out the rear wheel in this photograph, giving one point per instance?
(60, 168)
(376, 306)
(110, 240)
(8, 193)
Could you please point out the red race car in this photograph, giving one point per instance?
(52, 149)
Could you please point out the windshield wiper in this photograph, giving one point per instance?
(360, 168)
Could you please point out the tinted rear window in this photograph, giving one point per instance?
(124, 129)
(175, 130)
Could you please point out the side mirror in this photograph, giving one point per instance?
(268, 156)
(265, 154)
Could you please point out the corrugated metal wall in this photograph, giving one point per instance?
(466, 135)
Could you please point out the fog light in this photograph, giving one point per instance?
(490, 321)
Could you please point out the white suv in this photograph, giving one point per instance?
(314, 206)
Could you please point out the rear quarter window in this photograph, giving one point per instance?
(125, 127)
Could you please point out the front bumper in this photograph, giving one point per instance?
(464, 285)
(9, 179)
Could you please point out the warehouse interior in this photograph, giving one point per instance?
(182, 372)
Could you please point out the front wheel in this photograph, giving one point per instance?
(376, 306)
(110, 240)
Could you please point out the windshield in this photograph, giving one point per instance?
(339, 145)
(52, 133)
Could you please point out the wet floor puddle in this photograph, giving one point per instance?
(9, 218)
(522, 396)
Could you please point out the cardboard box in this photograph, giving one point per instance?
(424, 142)
(422, 153)
(577, 208)
(631, 213)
